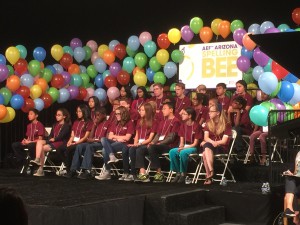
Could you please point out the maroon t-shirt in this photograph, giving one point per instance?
(159, 102)
(201, 113)
(34, 130)
(134, 115)
(101, 130)
(169, 126)
(120, 130)
(144, 131)
(181, 104)
(80, 127)
(136, 104)
(190, 132)
(245, 122)
(225, 102)
(246, 96)
(216, 137)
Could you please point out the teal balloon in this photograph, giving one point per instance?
(6, 93)
(105, 74)
(268, 67)
(76, 80)
(22, 50)
(69, 50)
(259, 115)
(140, 59)
(283, 27)
(159, 77)
(150, 48)
(128, 64)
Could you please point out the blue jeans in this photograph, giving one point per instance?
(179, 160)
(110, 146)
(87, 150)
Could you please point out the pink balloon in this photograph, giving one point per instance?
(113, 93)
(93, 45)
(186, 33)
(144, 37)
(90, 93)
(94, 57)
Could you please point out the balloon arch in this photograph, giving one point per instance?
(143, 60)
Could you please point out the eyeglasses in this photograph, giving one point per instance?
(118, 113)
(78, 111)
(212, 111)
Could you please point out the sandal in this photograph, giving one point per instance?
(208, 181)
(211, 174)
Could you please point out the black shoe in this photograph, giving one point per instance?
(181, 179)
(289, 213)
(176, 178)
(70, 174)
(85, 175)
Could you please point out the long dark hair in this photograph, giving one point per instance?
(86, 115)
(146, 95)
(149, 115)
(96, 101)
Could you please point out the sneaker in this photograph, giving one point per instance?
(158, 178)
(70, 174)
(130, 177)
(86, 174)
(35, 162)
(112, 158)
(104, 176)
(39, 173)
(181, 179)
(289, 213)
(144, 178)
(124, 176)
(175, 180)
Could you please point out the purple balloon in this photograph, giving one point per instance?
(272, 30)
(238, 35)
(186, 33)
(75, 42)
(115, 68)
(3, 72)
(279, 106)
(243, 63)
(67, 77)
(74, 91)
(260, 58)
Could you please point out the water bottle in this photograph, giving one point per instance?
(224, 182)
(187, 180)
(267, 185)
(265, 188)
(28, 171)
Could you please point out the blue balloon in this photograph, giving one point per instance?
(26, 80)
(100, 65)
(64, 95)
(247, 53)
(16, 101)
(254, 29)
(133, 90)
(100, 93)
(99, 81)
(133, 42)
(82, 69)
(268, 82)
(296, 97)
(150, 74)
(38, 104)
(1, 99)
(265, 26)
(50, 67)
(112, 44)
(39, 54)
(257, 71)
(2, 59)
(286, 91)
(79, 54)
(170, 69)
(58, 68)
(291, 78)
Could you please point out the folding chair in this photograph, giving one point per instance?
(197, 159)
(114, 169)
(169, 174)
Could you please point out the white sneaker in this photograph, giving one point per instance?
(104, 176)
(129, 178)
(112, 158)
(39, 173)
(124, 176)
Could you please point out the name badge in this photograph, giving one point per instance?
(265, 128)
(186, 145)
(76, 139)
(161, 138)
(141, 141)
(96, 139)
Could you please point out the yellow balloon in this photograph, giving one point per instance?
(35, 91)
(140, 78)
(10, 115)
(57, 52)
(215, 26)
(174, 35)
(102, 48)
(162, 56)
(254, 88)
(12, 54)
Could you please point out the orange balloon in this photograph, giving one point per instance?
(248, 43)
(3, 112)
(74, 69)
(297, 106)
(137, 69)
(224, 28)
(205, 34)
(13, 83)
(42, 83)
(109, 57)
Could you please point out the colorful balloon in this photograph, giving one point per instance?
(206, 34)
(57, 52)
(174, 35)
(13, 83)
(163, 41)
(196, 23)
(12, 54)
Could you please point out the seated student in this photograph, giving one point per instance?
(118, 139)
(165, 139)
(201, 89)
(87, 149)
(190, 133)
(35, 131)
(80, 131)
(112, 117)
(125, 93)
(240, 121)
(142, 96)
(134, 114)
(216, 133)
(144, 134)
(200, 108)
(241, 90)
(158, 98)
(222, 98)
(181, 100)
(94, 103)
(60, 134)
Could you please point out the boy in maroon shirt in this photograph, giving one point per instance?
(222, 98)
(181, 101)
(159, 98)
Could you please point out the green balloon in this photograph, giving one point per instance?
(290, 114)
(270, 106)
(248, 77)
(297, 29)
(11, 70)
(34, 67)
(196, 24)
(130, 52)
(140, 59)
(236, 24)
(159, 77)
(154, 64)
(177, 56)
(46, 74)
(54, 93)
(91, 71)
(6, 93)
(88, 52)
(85, 79)
(89, 85)
(274, 93)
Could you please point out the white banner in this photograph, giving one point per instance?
(209, 64)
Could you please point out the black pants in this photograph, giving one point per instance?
(292, 185)
(19, 152)
(154, 152)
(69, 153)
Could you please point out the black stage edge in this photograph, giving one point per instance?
(53, 200)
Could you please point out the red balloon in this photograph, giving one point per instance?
(296, 16)
(82, 93)
(57, 81)
(123, 77)
(66, 61)
(20, 66)
(28, 104)
(24, 91)
(47, 99)
(163, 41)
(120, 51)
(278, 70)
(110, 81)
